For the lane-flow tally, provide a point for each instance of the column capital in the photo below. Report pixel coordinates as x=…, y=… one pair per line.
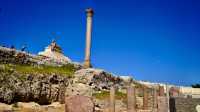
x=89, y=12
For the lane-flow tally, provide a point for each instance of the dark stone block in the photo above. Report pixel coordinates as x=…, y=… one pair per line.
x=183, y=104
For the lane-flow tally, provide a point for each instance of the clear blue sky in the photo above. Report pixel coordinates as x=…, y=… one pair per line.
x=154, y=40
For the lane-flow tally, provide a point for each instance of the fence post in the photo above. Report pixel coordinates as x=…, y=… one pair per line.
x=112, y=100
x=131, y=99
x=161, y=91
x=145, y=98
x=62, y=94
x=167, y=94
x=155, y=100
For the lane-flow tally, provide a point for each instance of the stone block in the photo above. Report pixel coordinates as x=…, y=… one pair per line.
x=79, y=104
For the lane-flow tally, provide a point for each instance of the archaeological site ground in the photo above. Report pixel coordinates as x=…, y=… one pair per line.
x=51, y=81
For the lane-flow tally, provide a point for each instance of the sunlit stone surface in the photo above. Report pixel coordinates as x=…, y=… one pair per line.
x=55, y=52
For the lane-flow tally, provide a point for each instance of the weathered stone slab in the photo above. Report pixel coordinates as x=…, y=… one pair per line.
x=79, y=104
x=5, y=107
x=184, y=104
x=198, y=108
x=162, y=104
x=145, y=111
x=161, y=91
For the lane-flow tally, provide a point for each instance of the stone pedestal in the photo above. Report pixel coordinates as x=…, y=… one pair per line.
x=87, y=64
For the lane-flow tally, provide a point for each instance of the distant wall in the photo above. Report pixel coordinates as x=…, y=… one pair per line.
x=184, y=104
x=190, y=91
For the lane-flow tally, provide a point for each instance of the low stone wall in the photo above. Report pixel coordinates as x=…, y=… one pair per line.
x=184, y=104
x=32, y=107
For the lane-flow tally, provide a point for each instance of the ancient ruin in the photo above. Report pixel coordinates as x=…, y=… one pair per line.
x=51, y=82
x=89, y=14
x=55, y=52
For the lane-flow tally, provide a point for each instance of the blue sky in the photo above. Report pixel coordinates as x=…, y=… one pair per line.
x=153, y=40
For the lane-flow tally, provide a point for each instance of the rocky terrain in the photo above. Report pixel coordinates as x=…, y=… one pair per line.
x=41, y=88
x=40, y=83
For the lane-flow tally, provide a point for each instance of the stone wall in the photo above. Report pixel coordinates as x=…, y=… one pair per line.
x=184, y=104
x=14, y=56
x=32, y=107
x=190, y=91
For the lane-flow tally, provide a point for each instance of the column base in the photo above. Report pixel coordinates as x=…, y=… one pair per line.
x=87, y=64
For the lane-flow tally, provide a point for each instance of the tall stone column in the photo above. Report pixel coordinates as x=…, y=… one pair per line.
x=89, y=13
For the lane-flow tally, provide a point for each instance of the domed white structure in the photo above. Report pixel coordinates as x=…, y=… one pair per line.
x=55, y=52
